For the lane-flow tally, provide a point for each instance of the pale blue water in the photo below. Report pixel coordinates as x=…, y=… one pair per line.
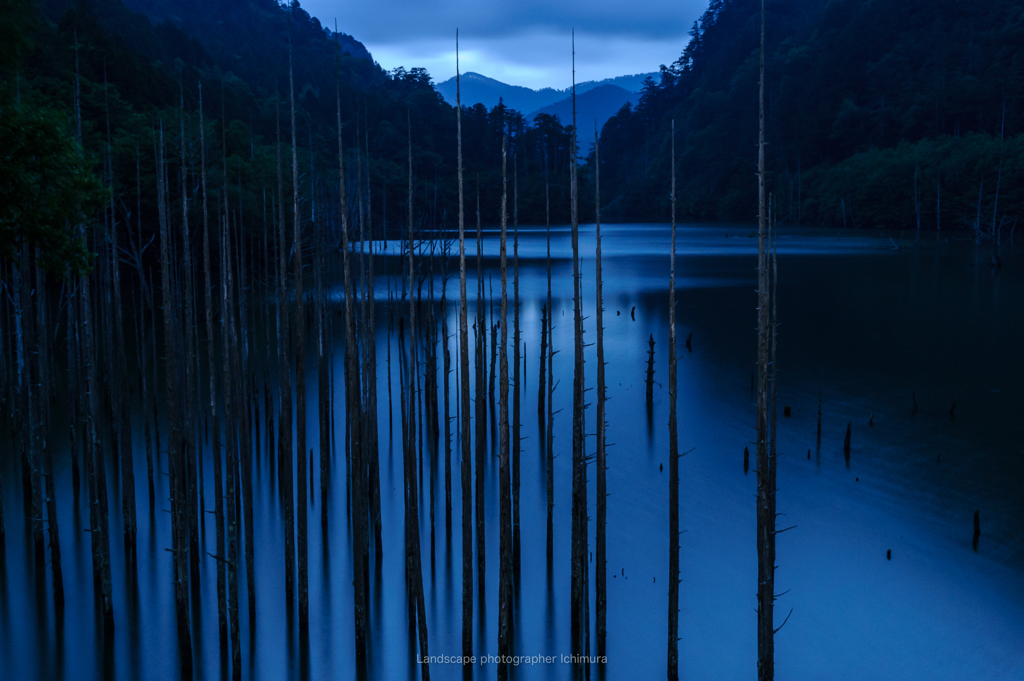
x=863, y=323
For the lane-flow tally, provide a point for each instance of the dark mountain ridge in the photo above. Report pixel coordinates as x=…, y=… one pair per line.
x=477, y=88
x=594, y=107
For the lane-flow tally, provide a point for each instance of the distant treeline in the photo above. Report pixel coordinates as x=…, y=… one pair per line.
x=864, y=100
x=878, y=114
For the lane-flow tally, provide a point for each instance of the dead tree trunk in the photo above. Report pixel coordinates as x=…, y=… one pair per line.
x=43, y=380
x=504, y=478
x=773, y=427
x=549, y=459
x=467, y=451
x=179, y=524
x=354, y=413
x=650, y=371
x=765, y=494
x=29, y=355
x=819, y=415
x=412, y=503
x=95, y=472
x=300, y=367
x=284, y=430
x=323, y=383
x=542, y=373
x=580, y=621
x=100, y=559
x=447, y=418
x=516, y=440
x=22, y=381
x=243, y=377
x=673, y=448
x=371, y=373
x=74, y=377
x=188, y=425
x=601, y=501
x=140, y=330
x=481, y=398
x=494, y=357
x=211, y=352
x=231, y=454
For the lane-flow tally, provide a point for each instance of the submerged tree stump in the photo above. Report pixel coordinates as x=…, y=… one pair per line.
x=650, y=368
x=846, y=443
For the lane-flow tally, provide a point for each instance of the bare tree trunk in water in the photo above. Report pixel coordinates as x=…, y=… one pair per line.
x=481, y=399
x=95, y=472
x=30, y=409
x=673, y=448
x=43, y=364
x=494, y=357
x=413, y=540
x=765, y=477
x=21, y=384
x=542, y=373
x=246, y=425
x=125, y=425
x=516, y=442
x=300, y=368
x=504, y=477
x=774, y=422
x=323, y=384
x=549, y=462
x=211, y=352
x=74, y=377
x=284, y=430
x=650, y=371
x=371, y=377
x=100, y=559
x=601, y=580
x=447, y=416
x=179, y=526
x=230, y=445
x=188, y=425
x=467, y=451
x=580, y=621
x=354, y=409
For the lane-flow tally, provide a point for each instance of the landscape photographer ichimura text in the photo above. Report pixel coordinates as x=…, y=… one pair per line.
x=514, y=660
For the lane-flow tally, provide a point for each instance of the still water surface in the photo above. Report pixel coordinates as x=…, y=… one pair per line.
x=863, y=325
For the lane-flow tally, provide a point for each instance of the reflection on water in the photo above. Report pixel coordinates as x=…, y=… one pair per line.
x=885, y=572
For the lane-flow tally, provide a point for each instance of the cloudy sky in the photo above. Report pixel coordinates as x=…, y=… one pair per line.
x=526, y=42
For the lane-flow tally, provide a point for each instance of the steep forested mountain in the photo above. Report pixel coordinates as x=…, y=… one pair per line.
x=866, y=103
x=594, y=106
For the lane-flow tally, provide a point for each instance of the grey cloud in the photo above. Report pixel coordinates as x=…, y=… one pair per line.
x=524, y=43
x=400, y=20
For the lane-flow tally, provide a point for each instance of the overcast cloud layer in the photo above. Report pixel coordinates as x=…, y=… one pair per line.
x=522, y=43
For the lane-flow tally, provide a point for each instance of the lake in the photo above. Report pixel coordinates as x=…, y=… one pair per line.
x=870, y=323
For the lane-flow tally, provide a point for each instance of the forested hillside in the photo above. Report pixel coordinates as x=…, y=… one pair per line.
x=877, y=113
x=135, y=78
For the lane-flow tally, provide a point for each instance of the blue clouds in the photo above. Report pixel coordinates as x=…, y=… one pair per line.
x=524, y=43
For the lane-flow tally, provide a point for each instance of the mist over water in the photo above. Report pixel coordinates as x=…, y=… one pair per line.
x=864, y=325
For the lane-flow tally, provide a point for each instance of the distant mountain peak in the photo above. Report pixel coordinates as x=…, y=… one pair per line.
x=478, y=88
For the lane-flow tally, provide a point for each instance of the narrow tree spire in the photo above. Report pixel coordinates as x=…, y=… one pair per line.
x=601, y=579
x=673, y=448
x=467, y=449
x=765, y=477
x=504, y=480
